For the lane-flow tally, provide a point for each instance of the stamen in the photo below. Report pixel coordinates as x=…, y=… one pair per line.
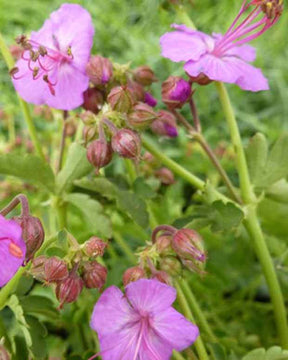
x=13, y=71
x=50, y=85
x=34, y=55
x=42, y=50
x=35, y=72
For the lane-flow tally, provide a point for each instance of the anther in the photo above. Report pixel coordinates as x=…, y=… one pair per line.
x=34, y=55
x=13, y=71
x=69, y=52
x=35, y=71
x=42, y=50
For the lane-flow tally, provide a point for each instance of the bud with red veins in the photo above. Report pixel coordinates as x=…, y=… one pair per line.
x=32, y=233
x=99, y=153
x=121, y=99
x=37, y=267
x=188, y=245
x=127, y=143
x=163, y=244
x=165, y=124
x=137, y=90
x=175, y=92
x=95, y=247
x=150, y=100
x=94, y=275
x=93, y=100
x=165, y=175
x=69, y=289
x=142, y=116
x=133, y=274
x=55, y=269
x=89, y=133
x=144, y=75
x=162, y=276
x=99, y=70
x=171, y=265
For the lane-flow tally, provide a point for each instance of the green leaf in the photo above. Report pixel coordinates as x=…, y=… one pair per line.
x=98, y=185
x=225, y=216
x=38, y=333
x=278, y=191
x=76, y=166
x=92, y=212
x=274, y=353
x=142, y=189
x=217, y=352
x=30, y=168
x=39, y=305
x=256, y=153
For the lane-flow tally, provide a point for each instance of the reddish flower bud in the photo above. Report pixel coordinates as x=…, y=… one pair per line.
x=93, y=100
x=99, y=70
x=99, y=153
x=69, y=289
x=37, y=267
x=55, y=269
x=88, y=118
x=142, y=116
x=127, y=143
x=163, y=244
x=32, y=233
x=95, y=247
x=165, y=175
x=150, y=100
x=165, y=124
x=201, y=79
x=144, y=75
x=89, y=133
x=137, y=90
x=94, y=275
x=121, y=99
x=188, y=245
x=133, y=274
x=4, y=353
x=175, y=92
x=163, y=277
x=171, y=265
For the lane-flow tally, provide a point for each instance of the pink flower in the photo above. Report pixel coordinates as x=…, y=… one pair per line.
x=12, y=249
x=142, y=324
x=223, y=58
x=52, y=69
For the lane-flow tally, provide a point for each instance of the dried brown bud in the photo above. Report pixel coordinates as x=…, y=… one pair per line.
x=94, y=275
x=142, y=116
x=133, y=274
x=144, y=75
x=55, y=269
x=127, y=143
x=99, y=69
x=121, y=99
x=95, y=247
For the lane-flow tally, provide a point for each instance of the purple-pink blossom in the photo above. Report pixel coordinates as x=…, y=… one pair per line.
x=52, y=69
x=12, y=249
x=142, y=324
x=223, y=57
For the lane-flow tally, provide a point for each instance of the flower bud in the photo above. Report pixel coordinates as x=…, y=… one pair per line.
x=32, y=233
x=171, y=265
x=55, y=269
x=37, y=267
x=133, y=274
x=88, y=118
x=188, y=245
x=127, y=143
x=4, y=353
x=200, y=79
x=121, y=99
x=194, y=266
x=150, y=100
x=163, y=277
x=95, y=247
x=70, y=128
x=99, y=70
x=144, y=75
x=163, y=244
x=137, y=90
x=69, y=289
x=93, y=100
x=142, y=116
x=99, y=153
x=175, y=92
x=94, y=275
x=165, y=124
x=165, y=175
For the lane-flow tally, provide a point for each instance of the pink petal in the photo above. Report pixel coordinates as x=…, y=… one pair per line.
x=150, y=295
x=244, y=52
x=179, y=336
x=182, y=46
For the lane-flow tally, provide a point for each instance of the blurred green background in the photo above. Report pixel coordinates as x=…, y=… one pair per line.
x=129, y=30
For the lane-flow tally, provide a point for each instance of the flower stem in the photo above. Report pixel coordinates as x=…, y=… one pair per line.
x=10, y=287
x=24, y=106
x=124, y=247
x=131, y=171
x=62, y=144
x=199, y=345
x=197, y=310
x=251, y=221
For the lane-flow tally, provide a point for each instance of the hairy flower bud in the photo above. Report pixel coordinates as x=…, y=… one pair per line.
x=37, y=267
x=162, y=276
x=165, y=175
x=133, y=274
x=150, y=100
x=136, y=90
x=127, y=143
x=69, y=289
x=95, y=247
x=163, y=244
x=175, y=92
x=144, y=75
x=89, y=133
x=171, y=265
x=99, y=70
x=93, y=100
x=32, y=233
x=142, y=116
x=165, y=124
x=55, y=269
x=99, y=153
x=94, y=275
x=121, y=99
x=188, y=245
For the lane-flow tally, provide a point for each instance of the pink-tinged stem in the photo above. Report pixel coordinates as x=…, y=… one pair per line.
x=19, y=199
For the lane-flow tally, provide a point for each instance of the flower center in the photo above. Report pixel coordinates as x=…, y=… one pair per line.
x=42, y=61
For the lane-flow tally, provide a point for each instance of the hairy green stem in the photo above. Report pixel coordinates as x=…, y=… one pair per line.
x=8, y=289
x=24, y=106
x=201, y=320
x=199, y=345
x=251, y=221
x=131, y=171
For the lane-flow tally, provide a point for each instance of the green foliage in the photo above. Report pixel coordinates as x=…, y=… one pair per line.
x=274, y=353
